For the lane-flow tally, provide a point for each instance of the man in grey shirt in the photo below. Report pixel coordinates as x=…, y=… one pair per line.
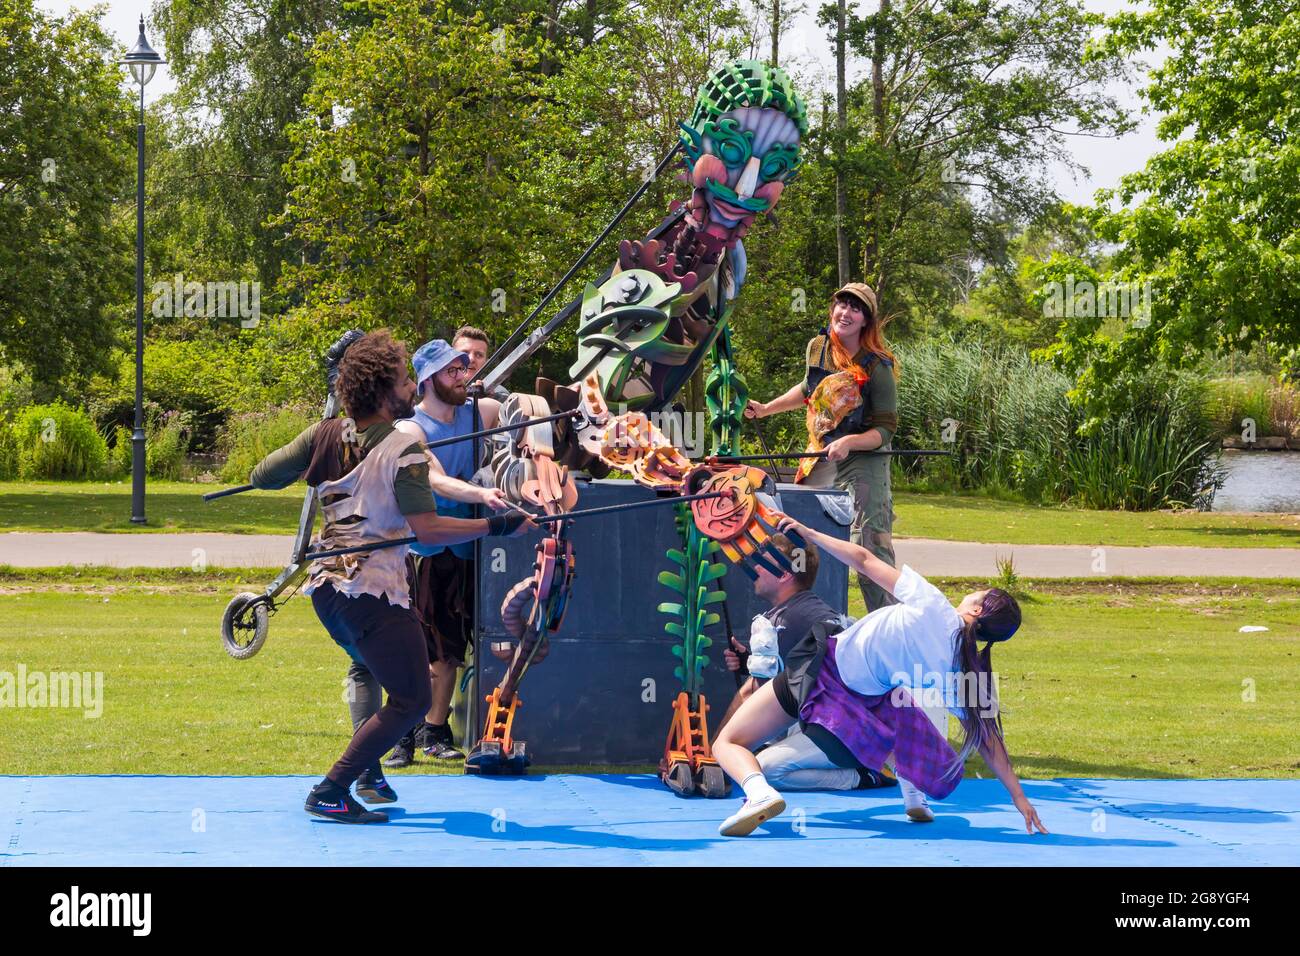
x=796, y=761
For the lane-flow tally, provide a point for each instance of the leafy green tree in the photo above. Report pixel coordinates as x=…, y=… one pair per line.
x=954, y=132
x=66, y=160
x=1212, y=223
x=408, y=176
x=242, y=70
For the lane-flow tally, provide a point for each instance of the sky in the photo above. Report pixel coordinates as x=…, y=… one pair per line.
x=806, y=44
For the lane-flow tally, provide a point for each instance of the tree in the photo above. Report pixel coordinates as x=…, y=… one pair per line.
x=409, y=176
x=1211, y=225
x=967, y=105
x=66, y=159
x=242, y=70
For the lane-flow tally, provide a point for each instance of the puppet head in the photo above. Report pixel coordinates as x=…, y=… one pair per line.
x=742, y=145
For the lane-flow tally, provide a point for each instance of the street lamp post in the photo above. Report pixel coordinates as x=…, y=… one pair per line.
x=143, y=61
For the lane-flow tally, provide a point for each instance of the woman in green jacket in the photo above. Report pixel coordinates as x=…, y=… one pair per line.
x=850, y=388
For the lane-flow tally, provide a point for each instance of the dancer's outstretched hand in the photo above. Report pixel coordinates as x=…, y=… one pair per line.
x=1031, y=816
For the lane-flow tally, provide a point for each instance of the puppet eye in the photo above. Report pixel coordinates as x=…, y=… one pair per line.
x=731, y=144
x=779, y=162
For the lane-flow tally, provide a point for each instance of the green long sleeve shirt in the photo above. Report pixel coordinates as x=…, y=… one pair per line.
x=285, y=465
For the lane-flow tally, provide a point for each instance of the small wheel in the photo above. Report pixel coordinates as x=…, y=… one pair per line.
x=243, y=626
x=518, y=761
x=713, y=782
x=678, y=779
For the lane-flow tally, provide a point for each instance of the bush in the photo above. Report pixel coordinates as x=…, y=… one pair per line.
x=167, y=437
x=8, y=449
x=1284, y=410
x=250, y=437
x=1009, y=417
x=1016, y=431
x=1230, y=400
x=57, y=442
x=197, y=378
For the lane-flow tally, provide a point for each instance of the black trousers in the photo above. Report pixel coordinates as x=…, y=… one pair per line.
x=389, y=641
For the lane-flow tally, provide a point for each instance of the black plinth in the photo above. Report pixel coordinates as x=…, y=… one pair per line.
x=604, y=694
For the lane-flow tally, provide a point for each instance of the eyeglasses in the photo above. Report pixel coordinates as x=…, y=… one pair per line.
x=457, y=370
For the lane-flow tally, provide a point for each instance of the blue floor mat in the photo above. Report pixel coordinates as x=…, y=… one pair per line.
x=633, y=820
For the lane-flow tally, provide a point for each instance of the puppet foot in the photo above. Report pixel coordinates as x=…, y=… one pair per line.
x=688, y=767
x=497, y=752
x=488, y=759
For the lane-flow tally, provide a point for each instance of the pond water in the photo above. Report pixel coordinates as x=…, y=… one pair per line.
x=1260, y=481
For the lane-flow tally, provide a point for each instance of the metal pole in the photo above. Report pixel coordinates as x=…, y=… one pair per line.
x=490, y=376
x=472, y=721
x=895, y=453
x=540, y=519
x=137, y=436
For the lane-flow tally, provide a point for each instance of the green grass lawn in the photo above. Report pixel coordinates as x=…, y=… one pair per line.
x=1124, y=679
x=969, y=518
x=169, y=506
x=178, y=506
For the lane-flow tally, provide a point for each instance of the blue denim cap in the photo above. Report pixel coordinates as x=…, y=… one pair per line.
x=432, y=357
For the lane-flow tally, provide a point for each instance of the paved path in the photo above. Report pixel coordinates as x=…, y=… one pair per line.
x=939, y=558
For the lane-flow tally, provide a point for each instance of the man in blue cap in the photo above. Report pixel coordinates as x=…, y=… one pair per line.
x=443, y=578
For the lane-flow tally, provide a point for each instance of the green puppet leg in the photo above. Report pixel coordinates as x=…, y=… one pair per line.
x=688, y=766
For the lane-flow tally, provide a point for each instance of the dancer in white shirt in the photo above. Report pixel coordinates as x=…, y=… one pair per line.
x=852, y=691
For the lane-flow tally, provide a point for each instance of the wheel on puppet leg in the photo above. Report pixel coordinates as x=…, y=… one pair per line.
x=677, y=777
x=485, y=759
x=711, y=781
x=244, y=625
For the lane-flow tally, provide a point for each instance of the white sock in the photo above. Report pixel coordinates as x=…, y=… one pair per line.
x=756, y=787
x=912, y=796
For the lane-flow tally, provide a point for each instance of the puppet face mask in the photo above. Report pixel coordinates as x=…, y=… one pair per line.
x=742, y=144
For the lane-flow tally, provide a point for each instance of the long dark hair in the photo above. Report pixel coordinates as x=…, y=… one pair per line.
x=981, y=718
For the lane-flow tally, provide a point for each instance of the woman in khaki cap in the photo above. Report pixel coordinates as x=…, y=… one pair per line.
x=851, y=392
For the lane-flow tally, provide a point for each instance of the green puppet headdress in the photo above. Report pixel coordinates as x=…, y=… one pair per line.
x=748, y=83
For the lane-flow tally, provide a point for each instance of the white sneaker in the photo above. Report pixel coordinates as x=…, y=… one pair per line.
x=914, y=802
x=753, y=812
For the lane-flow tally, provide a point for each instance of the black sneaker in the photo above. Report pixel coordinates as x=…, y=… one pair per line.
x=426, y=736
x=440, y=745
x=373, y=788
x=403, y=754
x=874, y=780
x=341, y=808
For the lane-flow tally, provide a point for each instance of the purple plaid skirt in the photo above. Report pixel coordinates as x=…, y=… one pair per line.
x=872, y=727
